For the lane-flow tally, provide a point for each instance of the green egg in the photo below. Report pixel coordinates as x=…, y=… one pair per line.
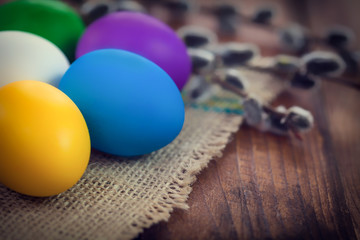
x=50, y=19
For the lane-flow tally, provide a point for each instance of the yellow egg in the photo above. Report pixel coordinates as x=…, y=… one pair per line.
x=44, y=140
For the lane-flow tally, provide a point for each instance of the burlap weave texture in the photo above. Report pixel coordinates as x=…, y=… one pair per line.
x=118, y=197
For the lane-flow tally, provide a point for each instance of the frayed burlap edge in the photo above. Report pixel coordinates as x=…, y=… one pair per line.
x=181, y=185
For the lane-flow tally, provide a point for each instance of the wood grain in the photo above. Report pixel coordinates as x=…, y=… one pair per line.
x=272, y=187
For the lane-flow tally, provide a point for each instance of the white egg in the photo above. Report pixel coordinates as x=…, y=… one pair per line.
x=25, y=56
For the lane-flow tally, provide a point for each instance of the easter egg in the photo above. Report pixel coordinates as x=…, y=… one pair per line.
x=45, y=143
x=25, y=56
x=52, y=20
x=141, y=34
x=132, y=107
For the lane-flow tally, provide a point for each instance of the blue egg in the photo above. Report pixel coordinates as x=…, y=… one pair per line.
x=132, y=106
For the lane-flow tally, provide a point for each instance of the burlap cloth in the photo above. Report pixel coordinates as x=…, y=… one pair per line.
x=118, y=197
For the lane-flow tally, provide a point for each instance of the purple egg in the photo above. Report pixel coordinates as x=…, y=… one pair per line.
x=141, y=34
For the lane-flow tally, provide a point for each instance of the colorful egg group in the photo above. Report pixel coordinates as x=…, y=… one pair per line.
x=52, y=20
x=141, y=34
x=44, y=143
x=26, y=56
x=123, y=91
x=132, y=107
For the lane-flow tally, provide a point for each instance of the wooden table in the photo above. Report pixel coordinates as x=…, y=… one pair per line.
x=271, y=187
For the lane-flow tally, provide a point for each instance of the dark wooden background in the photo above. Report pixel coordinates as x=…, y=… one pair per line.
x=271, y=187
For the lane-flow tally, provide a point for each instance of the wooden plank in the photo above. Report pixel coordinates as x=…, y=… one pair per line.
x=341, y=112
